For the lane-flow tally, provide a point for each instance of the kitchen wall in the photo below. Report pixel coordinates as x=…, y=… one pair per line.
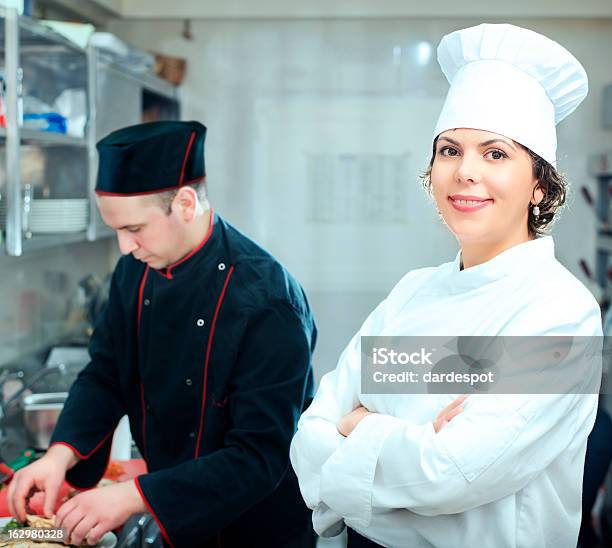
x=318, y=130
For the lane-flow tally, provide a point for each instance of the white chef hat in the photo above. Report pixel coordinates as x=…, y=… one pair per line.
x=511, y=81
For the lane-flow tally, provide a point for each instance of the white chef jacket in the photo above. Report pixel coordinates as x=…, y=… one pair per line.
x=507, y=471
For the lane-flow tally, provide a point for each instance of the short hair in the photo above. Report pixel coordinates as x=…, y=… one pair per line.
x=552, y=183
x=165, y=199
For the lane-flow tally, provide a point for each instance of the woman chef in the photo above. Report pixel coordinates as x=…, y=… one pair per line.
x=507, y=469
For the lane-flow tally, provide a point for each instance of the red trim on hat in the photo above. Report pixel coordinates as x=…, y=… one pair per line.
x=167, y=272
x=207, y=358
x=165, y=189
x=185, y=158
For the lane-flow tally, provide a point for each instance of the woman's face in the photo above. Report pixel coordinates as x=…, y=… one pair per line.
x=483, y=185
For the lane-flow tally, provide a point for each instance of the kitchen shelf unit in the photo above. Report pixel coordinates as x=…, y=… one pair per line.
x=37, y=65
x=38, y=62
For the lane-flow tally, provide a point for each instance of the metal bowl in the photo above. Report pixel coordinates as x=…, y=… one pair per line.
x=40, y=414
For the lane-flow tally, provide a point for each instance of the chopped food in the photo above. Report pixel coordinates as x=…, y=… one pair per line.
x=40, y=522
x=13, y=524
x=36, y=522
x=114, y=470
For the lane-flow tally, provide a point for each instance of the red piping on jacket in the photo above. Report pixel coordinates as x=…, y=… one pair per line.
x=185, y=158
x=159, y=523
x=168, y=270
x=88, y=455
x=85, y=457
x=142, y=397
x=144, y=420
x=78, y=487
x=140, y=292
x=206, y=360
x=156, y=191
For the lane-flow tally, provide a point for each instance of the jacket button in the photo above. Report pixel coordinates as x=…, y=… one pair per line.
x=188, y=382
x=221, y=266
x=148, y=407
x=146, y=302
x=200, y=322
x=192, y=434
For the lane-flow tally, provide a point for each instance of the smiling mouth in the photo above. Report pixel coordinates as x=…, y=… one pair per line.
x=468, y=205
x=469, y=202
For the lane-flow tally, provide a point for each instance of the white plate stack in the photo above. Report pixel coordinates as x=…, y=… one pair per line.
x=58, y=216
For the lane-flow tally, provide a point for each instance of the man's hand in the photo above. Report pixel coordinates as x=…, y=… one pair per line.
x=348, y=423
x=46, y=474
x=449, y=413
x=90, y=515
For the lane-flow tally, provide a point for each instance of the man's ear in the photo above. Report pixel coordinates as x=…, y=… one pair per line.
x=186, y=203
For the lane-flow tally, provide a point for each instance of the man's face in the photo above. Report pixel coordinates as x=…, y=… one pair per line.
x=143, y=228
x=482, y=183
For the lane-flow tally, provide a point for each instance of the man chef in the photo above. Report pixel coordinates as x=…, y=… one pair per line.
x=205, y=344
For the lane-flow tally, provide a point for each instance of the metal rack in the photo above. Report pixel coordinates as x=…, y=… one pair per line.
x=37, y=53
x=46, y=138
x=115, y=95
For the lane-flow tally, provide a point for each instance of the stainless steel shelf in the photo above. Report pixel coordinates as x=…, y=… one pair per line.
x=47, y=138
x=33, y=32
x=152, y=83
x=148, y=81
x=41, y=242
x=40, y=62
x=45, y=241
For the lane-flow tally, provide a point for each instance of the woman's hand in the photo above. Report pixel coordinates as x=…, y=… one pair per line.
x=348, y=423
x=449, y=413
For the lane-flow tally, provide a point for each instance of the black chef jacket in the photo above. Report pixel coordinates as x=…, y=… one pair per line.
x=211, y=360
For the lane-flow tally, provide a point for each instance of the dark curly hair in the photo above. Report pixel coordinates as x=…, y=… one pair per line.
x=552, y=183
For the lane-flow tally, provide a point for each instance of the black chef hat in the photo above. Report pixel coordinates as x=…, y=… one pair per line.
x=151, y=157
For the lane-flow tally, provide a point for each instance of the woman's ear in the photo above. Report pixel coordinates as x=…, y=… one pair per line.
x=538, y=194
